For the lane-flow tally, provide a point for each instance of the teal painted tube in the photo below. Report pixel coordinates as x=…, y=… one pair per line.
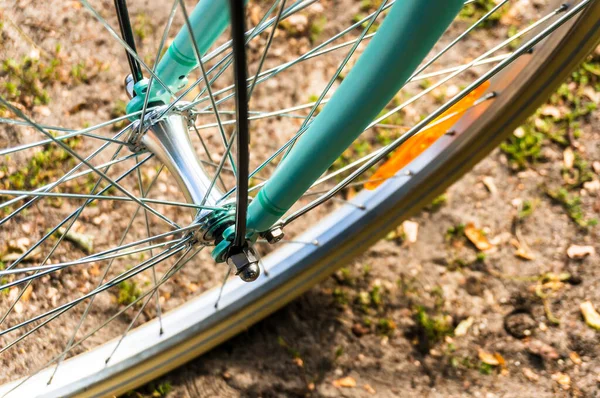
x=404, y=39
x=208, y=20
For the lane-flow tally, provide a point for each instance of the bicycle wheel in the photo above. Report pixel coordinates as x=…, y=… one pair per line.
x=560, y=39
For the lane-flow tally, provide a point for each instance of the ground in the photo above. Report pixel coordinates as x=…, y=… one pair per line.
x=483, y=300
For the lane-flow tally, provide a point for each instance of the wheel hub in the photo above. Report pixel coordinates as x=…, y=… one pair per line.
x=167, y=137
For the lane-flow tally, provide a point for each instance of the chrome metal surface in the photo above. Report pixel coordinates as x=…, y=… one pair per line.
x=129, y=82
x=169, y=140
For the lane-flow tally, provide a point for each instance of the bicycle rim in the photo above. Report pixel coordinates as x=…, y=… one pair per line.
x=195, y=327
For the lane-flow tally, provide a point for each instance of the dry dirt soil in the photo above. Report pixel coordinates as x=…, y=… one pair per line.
x=483, y=300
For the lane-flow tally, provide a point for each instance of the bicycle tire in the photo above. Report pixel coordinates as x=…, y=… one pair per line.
x=345, y=233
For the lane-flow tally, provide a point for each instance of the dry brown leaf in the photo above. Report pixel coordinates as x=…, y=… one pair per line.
x=369, y=389
x=575, y=358
x=347, y=382
x=490, y=185
x=411, y=231
x=551, y=110
x=477, y=237
x=546, y=351
x=501, y=238
x=592, y=186
x=553, y=285
x=563, y=379
x=83, y=241
x=577, y=252
x=94, y=269
x=540, y=124
x=591, y=316
x=463, y=327
x=27, y=293
x=488, y=358
x=519, y=132
x=350, y=193
x=500, y=360
x=530, y=374
x=568, y=158
x=592, y=94
x=521, y=252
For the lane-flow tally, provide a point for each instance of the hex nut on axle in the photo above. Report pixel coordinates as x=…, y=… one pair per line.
x=245, y=265
x=274, y=235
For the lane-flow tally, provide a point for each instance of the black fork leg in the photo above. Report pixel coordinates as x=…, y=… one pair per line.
x=238, y=29
x=127, y=33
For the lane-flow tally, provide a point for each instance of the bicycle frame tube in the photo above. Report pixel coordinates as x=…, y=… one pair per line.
x=208, y=20
x=406, y=36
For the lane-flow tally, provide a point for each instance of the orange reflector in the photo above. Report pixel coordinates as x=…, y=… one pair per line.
x=416, y=144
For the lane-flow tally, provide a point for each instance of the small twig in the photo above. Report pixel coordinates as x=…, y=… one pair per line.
x=26, y=37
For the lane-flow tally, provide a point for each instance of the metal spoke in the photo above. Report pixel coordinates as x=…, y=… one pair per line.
x=266, y=50
x=71, y=133
x=419, y=126
x=60, y=224
x=207, y=151
x=92, y=299
x=54, y=184
x=148, y=234
x=104, y=274
x=156, y=59
x=227, y=274
x=459, y=38
x=127, y=48
x=227, y=60
x=72, y=177
x=84, y=260
x=469, y=65
x=287, y=111
x=337, y=72
x=142, y=200
x=208, y=86
x=57, y=243
x=87, y=163
x=169, y=252
x=309, y=54
x=421, y=94
x=139, y=312
x=163, y=280
x=219, y=168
